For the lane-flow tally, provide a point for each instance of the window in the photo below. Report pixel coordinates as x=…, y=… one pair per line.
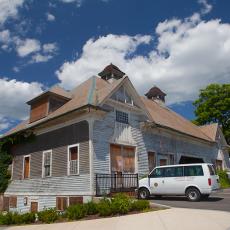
x=151, y=160
x=47, y=161
x=26, y=167
x=122, y=117
x=13, y=202
x=174, y=172
x=158, y=172
x=195, y=170
x=122, y=159
x=73, y=159
x=61, y=203
x=219, y=164
x=75, y=200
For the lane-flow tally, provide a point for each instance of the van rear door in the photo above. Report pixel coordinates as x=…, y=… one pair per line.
x=214, y=178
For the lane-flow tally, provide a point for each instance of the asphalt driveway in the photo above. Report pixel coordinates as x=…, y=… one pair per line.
x=217, y=201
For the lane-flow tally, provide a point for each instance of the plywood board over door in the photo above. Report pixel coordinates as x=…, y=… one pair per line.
x=122, y=159
x=34, y=206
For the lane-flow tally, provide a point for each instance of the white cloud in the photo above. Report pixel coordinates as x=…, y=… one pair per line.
x=188, y=55
x=13, y=96
x=78, y=2
x=9, y=9
x=47, y=53
x=5, y=36
x=50, y=47
x=206, y=6
x=40, y=58
x=50, y=17
x=4, y=123
x=27, y=46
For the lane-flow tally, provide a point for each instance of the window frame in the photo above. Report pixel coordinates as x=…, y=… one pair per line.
x=43, y=161
x=68, y=159
x=121, y=111
x=23, y=165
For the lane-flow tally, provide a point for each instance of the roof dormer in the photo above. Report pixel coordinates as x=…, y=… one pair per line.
x=47, y=102
x=111, y=72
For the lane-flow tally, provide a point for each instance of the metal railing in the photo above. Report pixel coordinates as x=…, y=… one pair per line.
x=107, y=184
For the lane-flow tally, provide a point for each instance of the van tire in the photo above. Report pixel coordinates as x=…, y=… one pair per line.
x=193, y=194
x=143, y=193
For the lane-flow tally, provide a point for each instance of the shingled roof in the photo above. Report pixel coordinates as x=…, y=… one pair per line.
x=91, y=92
x=165, y=117
x=210, y=130
x=95, y=90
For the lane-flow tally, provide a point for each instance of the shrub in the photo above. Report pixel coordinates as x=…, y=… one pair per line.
x=76, y=212
x=140, y=205
x=121, y=204
x=91, y=208
x=28, y=218
x=104, y=207
x=15, y=218
x=48, y=215
x=224, y=180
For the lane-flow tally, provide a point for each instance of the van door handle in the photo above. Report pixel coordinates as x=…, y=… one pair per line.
x=163, y=181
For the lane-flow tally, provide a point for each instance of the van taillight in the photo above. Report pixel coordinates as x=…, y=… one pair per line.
x=209, y=181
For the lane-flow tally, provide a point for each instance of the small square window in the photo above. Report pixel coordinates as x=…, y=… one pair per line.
x=122, y=117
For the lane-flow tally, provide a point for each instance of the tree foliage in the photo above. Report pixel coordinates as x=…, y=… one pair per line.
x=213, y=106
x=6, y=158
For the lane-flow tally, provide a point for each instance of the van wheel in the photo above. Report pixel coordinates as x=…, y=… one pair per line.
x=143, y=193
x=193, y=194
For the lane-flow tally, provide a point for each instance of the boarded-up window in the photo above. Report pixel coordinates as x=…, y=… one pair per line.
x=122, y=159
x=73, y=159
x=219, y=164
x=128, y=160
x=47, y=163
x=75, y=200
x=6, y=203
x=61, y=203
x=34, y=207
x=163, y=162
x=26, y=167
x=151, y=160
x=13, y=202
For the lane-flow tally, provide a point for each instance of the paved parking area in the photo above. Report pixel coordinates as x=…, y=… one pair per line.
x=218, y=201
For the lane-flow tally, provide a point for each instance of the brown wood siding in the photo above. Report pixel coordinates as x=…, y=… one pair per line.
x=39, y=110
x=57, y=141
x=75, y=200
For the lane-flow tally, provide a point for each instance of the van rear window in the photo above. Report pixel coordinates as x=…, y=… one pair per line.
x=195, y=170
x=211, y=170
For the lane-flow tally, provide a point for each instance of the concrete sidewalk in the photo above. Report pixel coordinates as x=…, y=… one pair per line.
x=170, y=219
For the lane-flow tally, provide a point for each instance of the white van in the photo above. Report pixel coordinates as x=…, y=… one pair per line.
x=195, y=181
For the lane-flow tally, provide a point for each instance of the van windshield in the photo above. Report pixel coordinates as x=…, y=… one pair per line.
x=211, y=170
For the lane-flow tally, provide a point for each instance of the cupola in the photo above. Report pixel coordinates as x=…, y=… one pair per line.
x=111, y=72
x=156, y=94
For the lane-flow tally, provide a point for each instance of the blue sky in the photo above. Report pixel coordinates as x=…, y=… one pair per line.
x=180, y=46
